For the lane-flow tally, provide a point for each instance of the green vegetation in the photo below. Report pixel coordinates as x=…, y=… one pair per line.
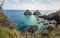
x=14, y=24
x=7, y=29
x=38, y=36
x=6, y=33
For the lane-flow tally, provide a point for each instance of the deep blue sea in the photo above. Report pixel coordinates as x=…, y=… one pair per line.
x=25, y=20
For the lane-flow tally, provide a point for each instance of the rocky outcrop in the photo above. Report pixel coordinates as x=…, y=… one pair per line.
x=27, y=12
x=32, y=29
x=4, y=20
x=37, y=12
x=7, y=30
x=55, y=16
x=43, y=16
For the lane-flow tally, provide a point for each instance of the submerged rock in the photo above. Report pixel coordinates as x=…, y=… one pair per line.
x=38, y=22
x=37, y=12
x=27, y=12
x=37, y=19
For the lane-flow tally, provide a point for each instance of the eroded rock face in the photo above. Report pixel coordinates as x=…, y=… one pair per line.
x=37, y=12
x=27, y=12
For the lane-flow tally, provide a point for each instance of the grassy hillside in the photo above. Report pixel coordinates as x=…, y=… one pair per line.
x=6, y=33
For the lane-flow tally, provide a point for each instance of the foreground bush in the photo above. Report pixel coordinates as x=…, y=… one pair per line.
x=6, y=33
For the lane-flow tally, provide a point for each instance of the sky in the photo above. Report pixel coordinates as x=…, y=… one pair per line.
x=31, y=4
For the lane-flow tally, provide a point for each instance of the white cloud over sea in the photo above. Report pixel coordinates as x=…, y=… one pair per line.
x=32, y=4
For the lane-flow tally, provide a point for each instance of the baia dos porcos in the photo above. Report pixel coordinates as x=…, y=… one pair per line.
x=41, y=25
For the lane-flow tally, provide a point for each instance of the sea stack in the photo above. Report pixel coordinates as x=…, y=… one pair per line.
x=37, y=12
x=27, y=12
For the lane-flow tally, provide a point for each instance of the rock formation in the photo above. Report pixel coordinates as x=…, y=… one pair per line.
x=55, y=16
x=4, y=20
x=27, y=12
x=32, y=29
x=37, y=12
x=43, y=16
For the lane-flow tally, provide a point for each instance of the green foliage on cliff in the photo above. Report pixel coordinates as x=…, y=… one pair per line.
x=6, y=33
x=7, y=29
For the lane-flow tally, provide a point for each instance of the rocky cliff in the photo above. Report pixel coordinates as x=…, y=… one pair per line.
x=7, y=30
x=4, y=20
x=55, y=16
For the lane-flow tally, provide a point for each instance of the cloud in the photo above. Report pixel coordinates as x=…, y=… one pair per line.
x=33, y=0
x=1, y=1
x=15, y=1
x=32, y=4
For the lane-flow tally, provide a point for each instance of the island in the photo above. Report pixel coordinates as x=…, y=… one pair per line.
x=37, y=12
x=27, y=12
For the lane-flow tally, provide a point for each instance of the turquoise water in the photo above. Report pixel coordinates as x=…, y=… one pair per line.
x=25, y=21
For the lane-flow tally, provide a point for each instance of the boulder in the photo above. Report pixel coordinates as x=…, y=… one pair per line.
x=27, y=12
x=37, y=12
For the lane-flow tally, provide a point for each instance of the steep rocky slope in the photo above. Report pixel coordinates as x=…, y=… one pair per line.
x=7, y=29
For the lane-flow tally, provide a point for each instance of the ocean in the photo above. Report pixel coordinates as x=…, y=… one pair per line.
x=25, y=21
